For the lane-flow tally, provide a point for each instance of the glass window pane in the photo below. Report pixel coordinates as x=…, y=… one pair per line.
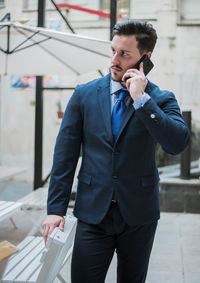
x=106, y=6
x=122, y=7
x=190, y=9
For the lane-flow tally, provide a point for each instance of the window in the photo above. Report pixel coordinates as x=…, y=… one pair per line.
x=2, y=3
x=189, y=11
x=134, y=9
x=122, y=7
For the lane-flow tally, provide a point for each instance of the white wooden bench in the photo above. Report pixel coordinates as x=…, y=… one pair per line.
x=36, y=200
x=8, y=208
x=34, y=263
x=35, y=205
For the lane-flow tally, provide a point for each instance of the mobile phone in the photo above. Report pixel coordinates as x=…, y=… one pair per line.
x=147, y=64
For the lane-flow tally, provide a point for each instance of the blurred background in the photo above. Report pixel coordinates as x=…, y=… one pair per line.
x=32, y=106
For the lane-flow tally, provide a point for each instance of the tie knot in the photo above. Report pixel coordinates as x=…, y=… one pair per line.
x=122, y=94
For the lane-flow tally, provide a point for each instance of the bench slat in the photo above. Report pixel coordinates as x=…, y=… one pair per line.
x=4, y=204
x=8, y=205
x=26, y=247
x=34, y=276
x=11, y=263
x=9, y=210
x=31, y=268
x=26, y=260
x=36, y=199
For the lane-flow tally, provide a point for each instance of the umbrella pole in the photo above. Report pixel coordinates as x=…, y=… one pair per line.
x=38, y=134
x=38, y=158
x=7, y=51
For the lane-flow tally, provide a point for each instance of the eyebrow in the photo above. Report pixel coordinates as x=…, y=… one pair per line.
x=121, y=49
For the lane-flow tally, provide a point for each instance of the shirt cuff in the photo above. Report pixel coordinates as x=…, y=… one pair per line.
x=141, y=101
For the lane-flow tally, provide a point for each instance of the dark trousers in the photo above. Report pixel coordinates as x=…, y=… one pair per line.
x=95, y=245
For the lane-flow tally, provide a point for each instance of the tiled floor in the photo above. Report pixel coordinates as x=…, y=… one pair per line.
x=176, y=252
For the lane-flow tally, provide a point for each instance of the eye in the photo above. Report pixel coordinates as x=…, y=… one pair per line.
x=123, y=53
x=113, y=50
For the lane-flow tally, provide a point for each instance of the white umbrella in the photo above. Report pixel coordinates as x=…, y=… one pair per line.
x=39, y=51
x=32, y=50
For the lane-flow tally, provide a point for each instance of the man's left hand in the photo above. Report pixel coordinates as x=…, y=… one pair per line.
x=136, y=82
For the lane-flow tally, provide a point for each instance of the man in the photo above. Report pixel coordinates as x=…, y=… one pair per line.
x=117, y=201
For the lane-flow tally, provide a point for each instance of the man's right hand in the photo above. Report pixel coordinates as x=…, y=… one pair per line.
x=51, y=222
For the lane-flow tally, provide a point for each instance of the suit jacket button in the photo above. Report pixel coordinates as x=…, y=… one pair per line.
x=153, y=116
x=114, y=175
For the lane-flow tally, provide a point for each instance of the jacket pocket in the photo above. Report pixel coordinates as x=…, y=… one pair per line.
x=148, y=181
x=85, y=178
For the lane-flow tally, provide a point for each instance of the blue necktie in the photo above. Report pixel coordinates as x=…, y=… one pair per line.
x=118, y=112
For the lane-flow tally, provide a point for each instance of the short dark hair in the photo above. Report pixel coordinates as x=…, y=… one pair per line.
x=145, y=33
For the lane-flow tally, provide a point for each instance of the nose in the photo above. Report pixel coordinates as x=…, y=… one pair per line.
x=115, y=59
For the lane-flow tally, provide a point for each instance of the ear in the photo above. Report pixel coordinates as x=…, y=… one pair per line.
x=149, y=54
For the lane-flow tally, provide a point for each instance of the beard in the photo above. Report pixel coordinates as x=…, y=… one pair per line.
x=116, y=76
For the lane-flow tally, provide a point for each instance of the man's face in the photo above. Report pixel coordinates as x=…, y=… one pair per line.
x=125, y=55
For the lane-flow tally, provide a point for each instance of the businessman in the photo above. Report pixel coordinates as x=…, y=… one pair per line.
x=118, y=119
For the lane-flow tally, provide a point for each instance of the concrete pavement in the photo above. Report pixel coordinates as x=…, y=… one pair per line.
x=175, y=256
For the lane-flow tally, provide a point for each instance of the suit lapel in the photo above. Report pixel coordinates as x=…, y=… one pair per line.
x=105, y=105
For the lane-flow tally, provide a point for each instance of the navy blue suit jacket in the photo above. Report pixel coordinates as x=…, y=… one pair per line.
x=126, y=166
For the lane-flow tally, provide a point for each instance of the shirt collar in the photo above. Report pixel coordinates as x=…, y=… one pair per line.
x=115, y=86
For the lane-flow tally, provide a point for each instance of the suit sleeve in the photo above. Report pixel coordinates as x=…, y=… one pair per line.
x=66, y=154
x=165, y=123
